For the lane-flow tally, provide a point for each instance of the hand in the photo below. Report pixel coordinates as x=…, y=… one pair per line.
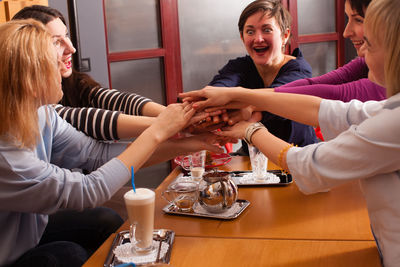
x=199, y=117
x=204, y=127
x=208, y=97
x=172, y=119
x=243, y=114
x=239, y=129
x=236, y=131
x=209, y=123
x=207, y=141
x=230, y=105
x=223, y=140
x=232, y=116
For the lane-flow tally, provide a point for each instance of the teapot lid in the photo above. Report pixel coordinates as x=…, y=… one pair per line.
x=216, y=176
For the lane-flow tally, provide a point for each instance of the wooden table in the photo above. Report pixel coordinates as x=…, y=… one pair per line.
x=281, y=227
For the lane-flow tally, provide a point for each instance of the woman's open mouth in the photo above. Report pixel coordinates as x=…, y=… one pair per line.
x=260, y=49
x=357, y=43
x=68, y=63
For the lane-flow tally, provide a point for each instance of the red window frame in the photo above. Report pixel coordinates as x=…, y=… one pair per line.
x=337, y=36
x=170, y=50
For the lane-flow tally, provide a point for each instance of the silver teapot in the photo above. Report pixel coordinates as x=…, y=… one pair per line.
x=217, y=192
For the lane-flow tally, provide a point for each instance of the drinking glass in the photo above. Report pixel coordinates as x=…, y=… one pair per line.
x=259, y=164
x=140, y=208
x=197, y=162
x=183, y=194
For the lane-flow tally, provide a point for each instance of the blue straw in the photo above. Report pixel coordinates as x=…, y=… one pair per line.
x=126, y=265
x=133, y=179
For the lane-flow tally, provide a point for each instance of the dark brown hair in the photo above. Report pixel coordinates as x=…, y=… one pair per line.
x=359, y=6
x=43, y=14
x=78, y=83
x=273, y=8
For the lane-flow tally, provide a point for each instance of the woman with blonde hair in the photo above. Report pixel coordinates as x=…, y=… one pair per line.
x=38, y=149
x=363, y=139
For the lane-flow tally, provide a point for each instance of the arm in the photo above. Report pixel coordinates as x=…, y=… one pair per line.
x=128, y=103
x=80, y=90
x=362, y=151
x=354, y=70
x=30, y=172
x=41, y=171
x=336, y=117
x=174, y=118
x=104, y=124
x=27, y=177
x=270, y=145
x=132, y=126
x=168, y=123
x=359, y=146
x=98, y=123
x=152, y=109
x=362, y=90
x=300, y=108
x=175, y=147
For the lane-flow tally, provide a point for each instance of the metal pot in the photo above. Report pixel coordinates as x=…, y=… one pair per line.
x=217, y=192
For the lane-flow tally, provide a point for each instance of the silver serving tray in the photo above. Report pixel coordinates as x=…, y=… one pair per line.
x=285, y=179
x=123, y=237
x=242, y=205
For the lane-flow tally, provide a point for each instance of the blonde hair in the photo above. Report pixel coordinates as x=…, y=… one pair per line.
x=383, y=20
x=28, y=71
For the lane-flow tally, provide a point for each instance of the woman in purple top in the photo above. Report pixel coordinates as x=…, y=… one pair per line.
x=350, y=81
x=346, y=83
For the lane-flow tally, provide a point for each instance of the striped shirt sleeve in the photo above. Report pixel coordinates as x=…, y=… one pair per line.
x=98, y=123
x=111, y=99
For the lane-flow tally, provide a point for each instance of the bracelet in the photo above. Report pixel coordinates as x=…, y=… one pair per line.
x=280, y=156
x=251, y=129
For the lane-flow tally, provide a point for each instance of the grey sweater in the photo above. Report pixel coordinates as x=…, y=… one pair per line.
x=35, y=183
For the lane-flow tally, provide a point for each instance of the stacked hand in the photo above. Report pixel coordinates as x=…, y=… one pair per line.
x=177, y=117
x=207, y=97
x=173, y=119
x=230, y=116
x=205, y=111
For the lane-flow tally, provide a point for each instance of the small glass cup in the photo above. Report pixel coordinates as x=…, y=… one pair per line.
x=197, y=162
x=259, y=164
x=183, y=194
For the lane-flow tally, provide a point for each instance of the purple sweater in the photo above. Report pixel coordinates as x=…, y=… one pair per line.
x=346, y=83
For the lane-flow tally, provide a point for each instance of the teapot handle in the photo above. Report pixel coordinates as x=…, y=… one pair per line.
x=167, y=196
